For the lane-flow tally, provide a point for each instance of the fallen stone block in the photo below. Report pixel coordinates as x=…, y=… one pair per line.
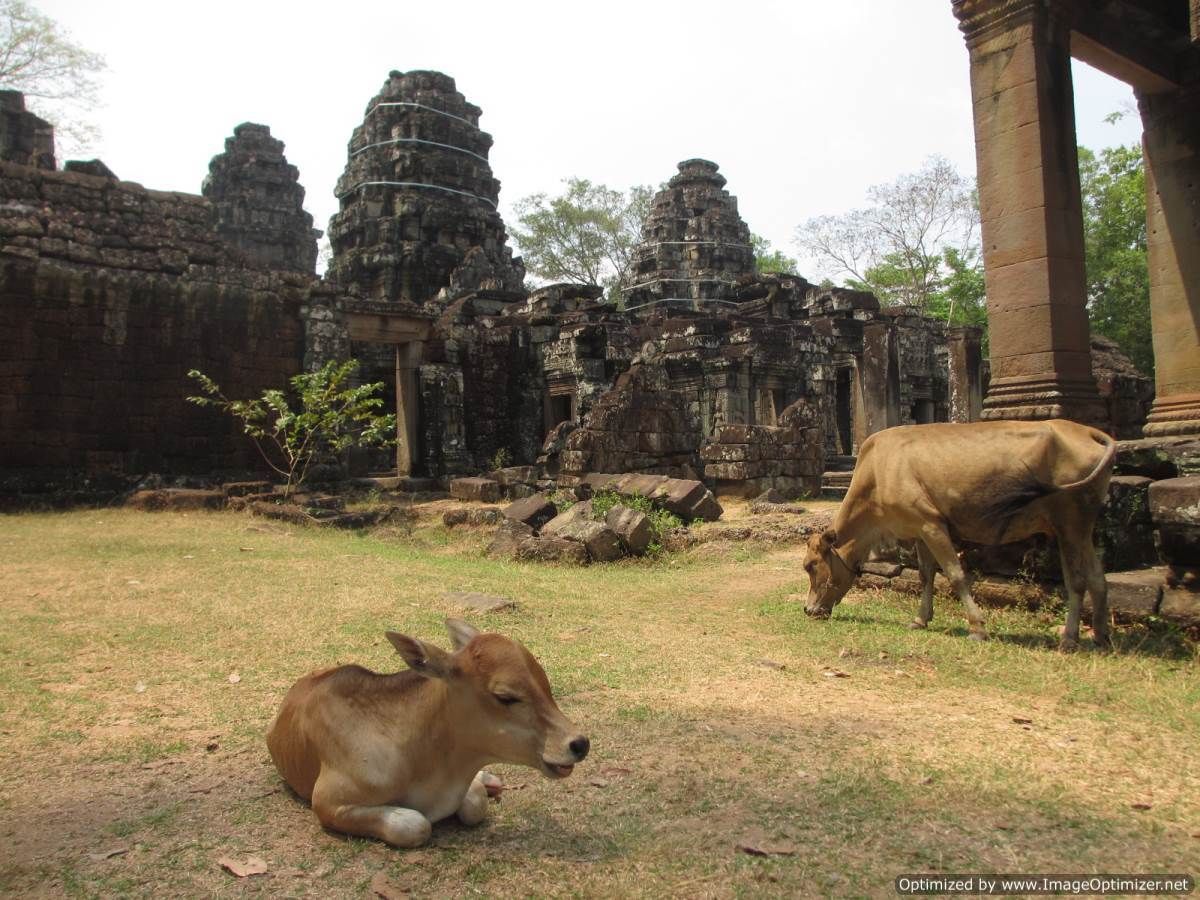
x=601, y=542
x=488, y=516
x=480, y=490
x=534, y=511
x=176, y=499
x=632, y=527
x=471, y=601
x=284, y=512
x=580, y=512
x=1133, y=595
x=1175, y=509
x=552, y=549
x=452, y=518
x=688, y=499
x=508, y=538
x=1180, y=605
x=242, y=488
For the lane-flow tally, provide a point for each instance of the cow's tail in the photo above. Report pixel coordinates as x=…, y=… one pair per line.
x=1015, y=496
x=1110, y=452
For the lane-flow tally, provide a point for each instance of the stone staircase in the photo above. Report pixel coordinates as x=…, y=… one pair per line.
x=836, y=478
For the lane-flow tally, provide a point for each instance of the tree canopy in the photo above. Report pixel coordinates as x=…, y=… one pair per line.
x=1113, y=187
x=584, y=235
x=769, y=261
x=57, y=75
x=906, y=244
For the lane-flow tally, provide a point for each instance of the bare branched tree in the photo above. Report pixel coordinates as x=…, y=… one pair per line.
x=57, y=76
x=897, y=245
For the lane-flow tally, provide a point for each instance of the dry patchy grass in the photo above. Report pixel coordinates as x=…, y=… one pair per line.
x=708, y=696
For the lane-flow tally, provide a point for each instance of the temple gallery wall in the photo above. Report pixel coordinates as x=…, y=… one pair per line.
x=111, y=292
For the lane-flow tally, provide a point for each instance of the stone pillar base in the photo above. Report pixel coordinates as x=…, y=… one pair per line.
x=1033, y=399
x=1179, y=414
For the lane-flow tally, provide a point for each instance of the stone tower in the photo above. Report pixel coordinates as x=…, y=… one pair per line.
x=259, y=202
x=418, y=200
x=25, y=139
x=694, y=243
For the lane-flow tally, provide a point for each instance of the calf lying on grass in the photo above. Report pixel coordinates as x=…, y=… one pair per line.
x=985, y=482
x=385, y=755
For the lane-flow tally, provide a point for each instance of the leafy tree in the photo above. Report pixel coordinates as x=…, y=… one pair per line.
x=584, y=235
x=331, y=417
x=1113, y=185
x=896, y=247
x=767, y=260
x=58, y=76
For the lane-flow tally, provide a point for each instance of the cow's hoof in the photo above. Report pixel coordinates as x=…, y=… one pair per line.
x=917, y=624
x=977, y=636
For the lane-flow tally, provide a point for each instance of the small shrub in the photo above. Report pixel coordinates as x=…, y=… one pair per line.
x=501, y=459
x=563, y=500
x=661, y=521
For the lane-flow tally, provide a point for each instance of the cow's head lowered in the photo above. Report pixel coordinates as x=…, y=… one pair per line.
x=829, y=575
x=501, y=697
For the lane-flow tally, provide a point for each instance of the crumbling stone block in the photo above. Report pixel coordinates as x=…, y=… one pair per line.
x=631, y=526
x=534, y=511
x=1125, y=531
x=553, y=549
x=580, y=512
x=1181, y=604
x=688, y=499
x=244, y=488
x=508, y=538
x=481, y=490
x=176, y=499
x=1175, y=509
x=1133, y=595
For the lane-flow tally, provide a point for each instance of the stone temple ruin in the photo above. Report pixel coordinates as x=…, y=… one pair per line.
x=707, y=369
x=112, y=292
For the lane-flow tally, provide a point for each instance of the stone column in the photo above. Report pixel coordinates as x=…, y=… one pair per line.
x=1171, y=145
x=408, y=358
x=964, y=361
x=1031, y=212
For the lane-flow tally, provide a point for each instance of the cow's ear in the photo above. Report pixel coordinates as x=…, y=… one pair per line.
x=829, y=538
x=424, y=659
x=460, y=632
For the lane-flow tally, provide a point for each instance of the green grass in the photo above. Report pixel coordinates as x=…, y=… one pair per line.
x=112, y=693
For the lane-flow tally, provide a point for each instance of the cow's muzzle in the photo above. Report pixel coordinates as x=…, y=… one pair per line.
x=817, y=612
x=578, y=748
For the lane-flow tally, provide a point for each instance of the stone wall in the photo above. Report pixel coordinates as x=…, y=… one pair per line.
x=94, y=363
x=25, y=139
x=109, y=294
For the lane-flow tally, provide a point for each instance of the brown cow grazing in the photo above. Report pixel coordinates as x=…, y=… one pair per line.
x=384, y=756
x=985, y=482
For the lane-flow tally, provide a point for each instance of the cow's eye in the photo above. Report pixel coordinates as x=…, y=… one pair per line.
x=507, y=699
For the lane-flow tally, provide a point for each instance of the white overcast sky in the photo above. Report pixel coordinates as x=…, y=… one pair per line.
x=803, y=104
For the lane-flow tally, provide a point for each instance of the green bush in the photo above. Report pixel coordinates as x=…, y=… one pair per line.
x=661, y=521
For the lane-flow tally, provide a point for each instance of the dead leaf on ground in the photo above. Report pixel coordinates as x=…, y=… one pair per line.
x=204, y=787
x=1140, y=806
x=835, y=673
x=615, y=770
x=212, y=746
x=234, y=677
x=388, y=890
x=246, y=549
x=1020, y=720
x=597, y=781
x=756, y=844
x=243, y=868
x=108, y=854
x=928, y=779
x=844, y=652
x=771, y=664
x=140, y=687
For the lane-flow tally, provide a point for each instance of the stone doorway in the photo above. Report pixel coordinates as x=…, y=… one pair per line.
x=368, y=323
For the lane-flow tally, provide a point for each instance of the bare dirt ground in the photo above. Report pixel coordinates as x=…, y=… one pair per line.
x=739, y=749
